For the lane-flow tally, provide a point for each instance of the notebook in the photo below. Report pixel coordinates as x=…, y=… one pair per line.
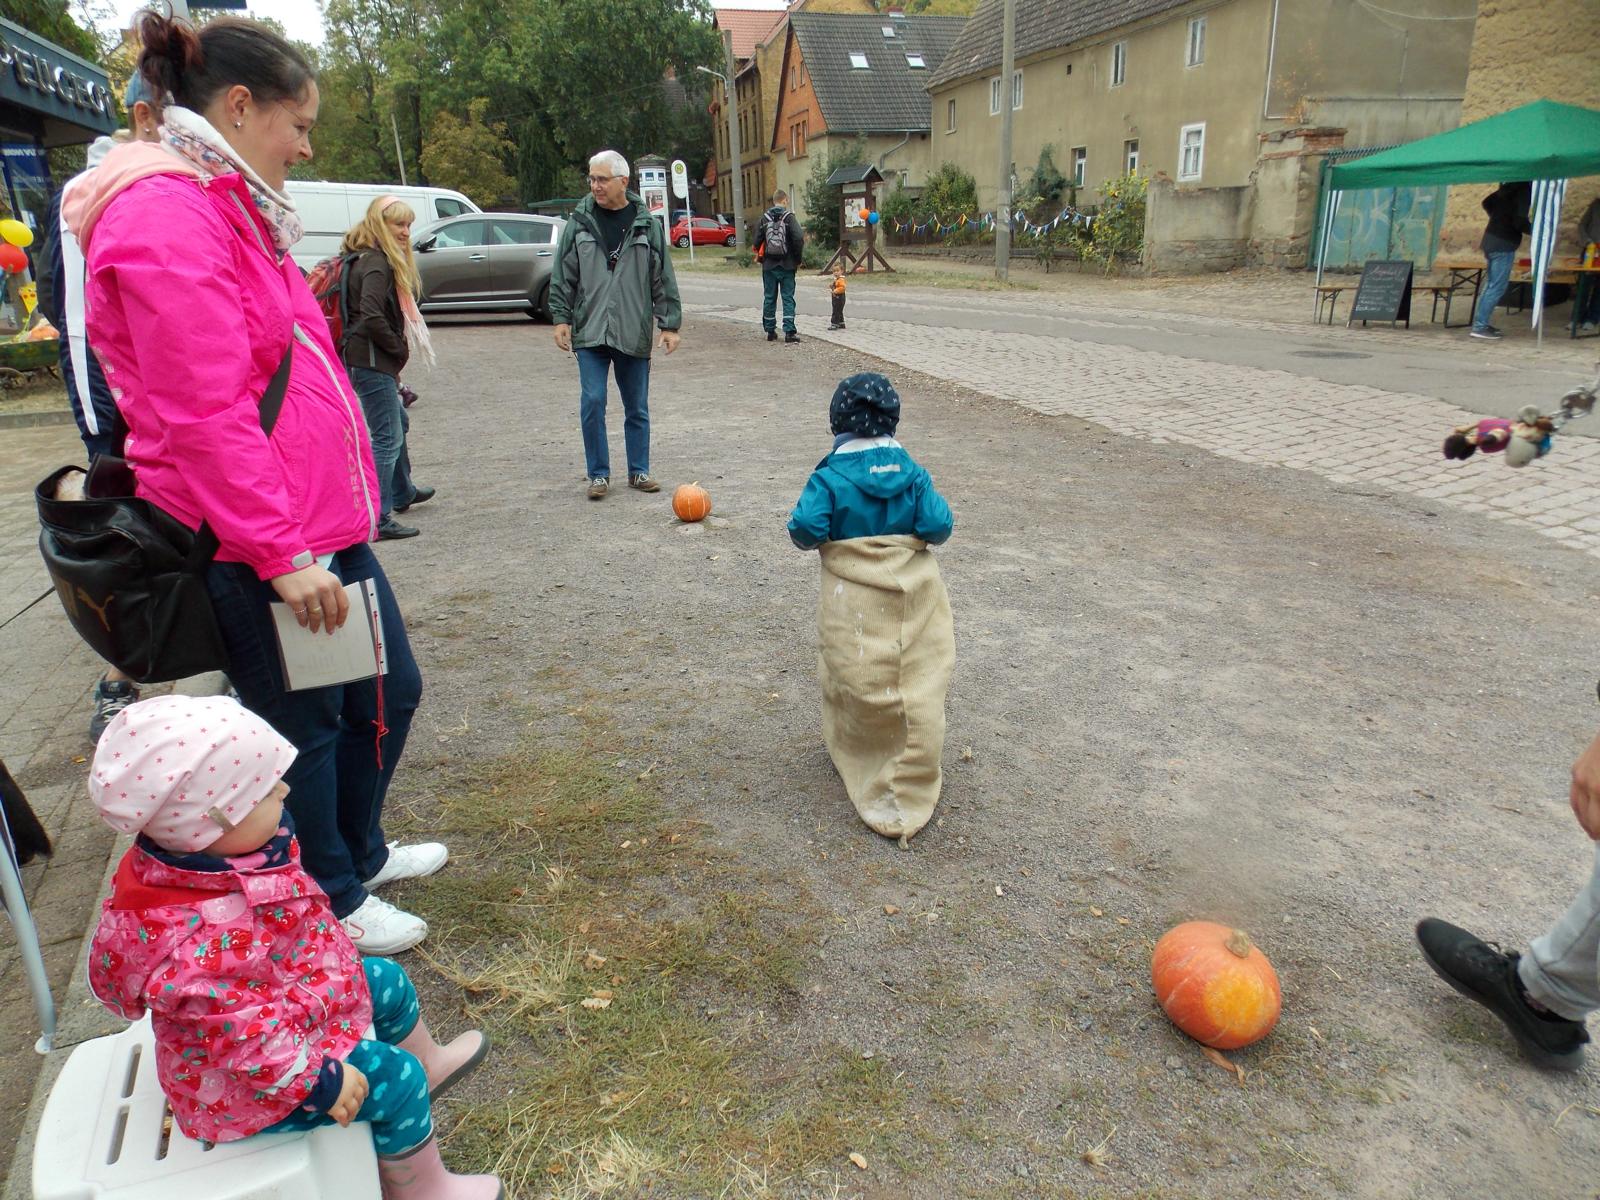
x=353, y=651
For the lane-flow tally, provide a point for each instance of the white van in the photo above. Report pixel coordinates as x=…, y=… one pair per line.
x=330, y=209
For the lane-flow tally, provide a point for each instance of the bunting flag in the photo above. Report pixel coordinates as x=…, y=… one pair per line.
x=985, y=222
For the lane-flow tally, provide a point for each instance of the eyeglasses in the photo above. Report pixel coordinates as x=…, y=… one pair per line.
x=593, y=179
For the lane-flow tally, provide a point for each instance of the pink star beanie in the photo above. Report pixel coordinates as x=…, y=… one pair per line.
x=185, y=769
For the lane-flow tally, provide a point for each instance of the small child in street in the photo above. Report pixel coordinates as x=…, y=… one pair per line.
x=838, y=296
x=886, y=640
x=259, y=999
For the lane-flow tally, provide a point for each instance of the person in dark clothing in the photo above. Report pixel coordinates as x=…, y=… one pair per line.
x=384, y=325
x=1507, y=207
x=1589, y=235
x=61, y=276
x=781, y=242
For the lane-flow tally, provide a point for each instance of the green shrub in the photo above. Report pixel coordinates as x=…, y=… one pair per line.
x=949, y=192
x=1118, y=232
x=745, y=258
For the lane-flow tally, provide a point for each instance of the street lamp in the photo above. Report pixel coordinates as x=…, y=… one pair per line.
x=733, y=141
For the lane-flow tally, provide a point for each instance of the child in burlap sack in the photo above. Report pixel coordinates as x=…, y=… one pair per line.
x=886, y=638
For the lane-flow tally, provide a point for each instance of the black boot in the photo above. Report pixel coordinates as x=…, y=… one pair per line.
x=791, y=336
x=1488, y=975
x=391, y=530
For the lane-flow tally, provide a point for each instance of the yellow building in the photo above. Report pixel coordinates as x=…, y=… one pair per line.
x=1188, y=87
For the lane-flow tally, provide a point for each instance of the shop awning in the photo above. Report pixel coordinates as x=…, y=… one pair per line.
x=51, y=93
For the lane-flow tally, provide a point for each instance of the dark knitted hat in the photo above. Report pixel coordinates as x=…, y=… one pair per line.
x=866, y=405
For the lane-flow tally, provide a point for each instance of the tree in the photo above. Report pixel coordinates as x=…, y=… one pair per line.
x=822, y=201
x=50, y=20
x=470, y=155
x=949, y=192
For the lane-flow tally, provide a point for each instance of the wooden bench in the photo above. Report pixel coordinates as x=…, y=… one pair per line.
x=1328, y=298
x=1437, y=292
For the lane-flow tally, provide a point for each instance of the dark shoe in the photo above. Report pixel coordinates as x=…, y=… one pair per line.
x=772, y=335
x=1489, y=334
x=791, y=336
x=110, y=699
x=392, y=531
x=1483, y=972
x=641, y=482
x=418, y=496
x=598, y=487
x=835, y=326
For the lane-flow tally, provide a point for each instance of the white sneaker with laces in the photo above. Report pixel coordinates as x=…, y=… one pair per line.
x=378, y=927
x=409, y=862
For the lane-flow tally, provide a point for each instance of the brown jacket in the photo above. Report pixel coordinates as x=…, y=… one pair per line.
x=375, y=330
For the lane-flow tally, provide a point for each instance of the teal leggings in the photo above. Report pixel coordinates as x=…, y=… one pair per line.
x=397, y=1096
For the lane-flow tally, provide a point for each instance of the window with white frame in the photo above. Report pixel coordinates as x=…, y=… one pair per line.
x=1016, y=91
x=994, y=95
x=1197, y=43
x=949, y=116
x=1130, y=155
x=1080, y=165
x=858, y=62
x=1191, y=151
x=1119, y=63
x=916, y=62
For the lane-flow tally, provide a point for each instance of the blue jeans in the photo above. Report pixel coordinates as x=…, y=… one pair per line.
x=397, y=1103
x=774, y=280
x=633, y=382
x=402, y=490
x=1496, y=279
x=336, y=785
x=380, y=401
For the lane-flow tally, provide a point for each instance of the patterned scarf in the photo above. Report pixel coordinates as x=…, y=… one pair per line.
x=191, y=136
x=417, y=337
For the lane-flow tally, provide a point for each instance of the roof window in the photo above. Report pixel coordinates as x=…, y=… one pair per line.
x=916, y=62
x=888, y=31
x=858, y=62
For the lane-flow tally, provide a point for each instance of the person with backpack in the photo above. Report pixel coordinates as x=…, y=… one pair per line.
x=382, y=326
x=61, y=277
x=195, y=305
x=780, y=241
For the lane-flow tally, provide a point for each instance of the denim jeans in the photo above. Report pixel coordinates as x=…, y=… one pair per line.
x=380, y=401
x=633, y=382
x=336, y=785
x=774, y=280
x=1561, y=970
x=1496, y=278
x=402, y=491
x=397, y=1105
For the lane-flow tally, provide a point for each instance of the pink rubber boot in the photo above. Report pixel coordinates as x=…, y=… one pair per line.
x=420, y=1175
x=445, y=1065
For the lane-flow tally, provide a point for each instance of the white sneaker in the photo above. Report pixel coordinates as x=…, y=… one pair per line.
x=409, y=862
x=378, y=927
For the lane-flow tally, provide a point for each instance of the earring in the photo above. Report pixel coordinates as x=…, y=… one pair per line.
x=238, y=124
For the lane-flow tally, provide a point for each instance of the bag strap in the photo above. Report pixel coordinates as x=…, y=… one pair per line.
x=205, y=541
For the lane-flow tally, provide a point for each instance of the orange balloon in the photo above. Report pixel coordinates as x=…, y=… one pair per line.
x=864, y=213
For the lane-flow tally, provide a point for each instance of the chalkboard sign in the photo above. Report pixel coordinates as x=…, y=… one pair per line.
x=1384, y=293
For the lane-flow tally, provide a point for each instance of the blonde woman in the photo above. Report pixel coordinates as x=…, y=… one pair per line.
x=383, y=330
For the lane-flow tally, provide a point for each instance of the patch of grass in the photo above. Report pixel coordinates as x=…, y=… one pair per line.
x=628, y=970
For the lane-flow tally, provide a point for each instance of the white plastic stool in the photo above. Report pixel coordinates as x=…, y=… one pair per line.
x=107, y=1134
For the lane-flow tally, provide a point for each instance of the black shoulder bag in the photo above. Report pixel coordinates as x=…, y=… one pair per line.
x=132, y=577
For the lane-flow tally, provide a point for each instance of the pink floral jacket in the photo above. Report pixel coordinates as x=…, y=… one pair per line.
x=250, y=978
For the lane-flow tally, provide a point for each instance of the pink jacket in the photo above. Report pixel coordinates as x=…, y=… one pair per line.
x=189, y=312
x=251, y=980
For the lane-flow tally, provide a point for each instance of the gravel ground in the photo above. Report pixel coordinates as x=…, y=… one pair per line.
x=1189, y=688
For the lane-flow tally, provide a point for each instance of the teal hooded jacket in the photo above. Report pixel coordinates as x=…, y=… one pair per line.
x=869, y=487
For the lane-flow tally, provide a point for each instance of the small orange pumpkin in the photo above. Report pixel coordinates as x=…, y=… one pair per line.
x=1215, y=985
x=691, y=502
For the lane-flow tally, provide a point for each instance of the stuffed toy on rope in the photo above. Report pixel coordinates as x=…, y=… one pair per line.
x=1524, y=439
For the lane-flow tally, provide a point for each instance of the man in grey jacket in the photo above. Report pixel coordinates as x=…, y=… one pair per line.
x=611, y=284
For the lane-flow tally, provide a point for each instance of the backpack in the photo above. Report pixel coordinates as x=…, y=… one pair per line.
x=776, y=244
x=329, y=282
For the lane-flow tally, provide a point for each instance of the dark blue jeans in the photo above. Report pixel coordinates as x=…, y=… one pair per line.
x=633, y=383
x=773, y=281
x=1497, y=277
x=380, y=401
x=403, y=491
x=336, y=787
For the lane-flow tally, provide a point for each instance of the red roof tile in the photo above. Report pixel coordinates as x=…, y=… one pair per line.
x=749, y=26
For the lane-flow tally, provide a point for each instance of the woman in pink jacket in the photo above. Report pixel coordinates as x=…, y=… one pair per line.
x=193, y=303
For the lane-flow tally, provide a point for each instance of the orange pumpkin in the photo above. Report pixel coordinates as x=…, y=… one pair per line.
x=691, y=502
x=1215, y=985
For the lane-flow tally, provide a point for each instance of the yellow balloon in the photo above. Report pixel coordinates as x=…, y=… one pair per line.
x=16, y=233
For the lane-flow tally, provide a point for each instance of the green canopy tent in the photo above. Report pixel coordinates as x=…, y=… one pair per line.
x=1542, y=141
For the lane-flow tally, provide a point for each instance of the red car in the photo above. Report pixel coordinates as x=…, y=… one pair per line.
x=706, y=233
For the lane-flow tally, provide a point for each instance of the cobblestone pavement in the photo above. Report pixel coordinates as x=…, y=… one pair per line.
x=1344, y=433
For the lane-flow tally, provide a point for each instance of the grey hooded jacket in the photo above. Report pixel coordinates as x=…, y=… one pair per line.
x=617, y=307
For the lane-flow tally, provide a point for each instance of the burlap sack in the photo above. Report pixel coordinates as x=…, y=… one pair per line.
x=886, y=648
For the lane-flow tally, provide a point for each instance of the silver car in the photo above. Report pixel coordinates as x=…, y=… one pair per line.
x=488, y=261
